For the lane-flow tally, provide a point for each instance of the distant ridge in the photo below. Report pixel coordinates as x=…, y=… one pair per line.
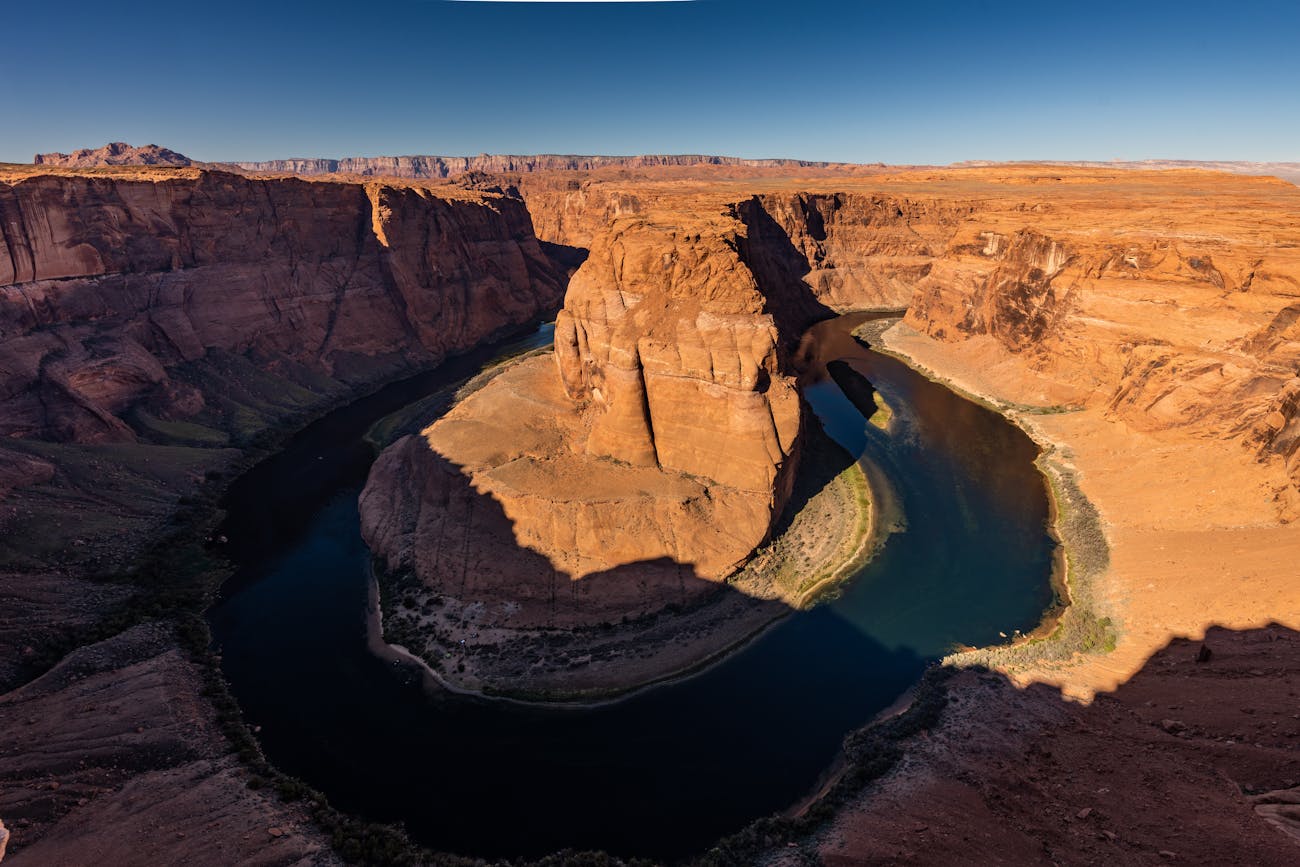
x=440, y=167
x=115, y=154
x=1285, y=171
x=445, y=167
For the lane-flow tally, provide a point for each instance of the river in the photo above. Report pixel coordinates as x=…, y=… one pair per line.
x=670, y=769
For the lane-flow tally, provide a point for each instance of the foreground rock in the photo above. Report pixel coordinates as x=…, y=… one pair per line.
x=112, y=757
x=1188, y=763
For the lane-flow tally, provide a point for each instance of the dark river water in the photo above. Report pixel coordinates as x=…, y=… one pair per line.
x=668, y=770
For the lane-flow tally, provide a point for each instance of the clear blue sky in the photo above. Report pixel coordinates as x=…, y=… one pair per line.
x=818, y=79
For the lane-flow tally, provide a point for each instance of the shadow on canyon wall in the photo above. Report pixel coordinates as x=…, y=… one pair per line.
x=1192, y=760
x=780, y=269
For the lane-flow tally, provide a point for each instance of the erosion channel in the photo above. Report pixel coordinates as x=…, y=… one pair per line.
x=666, y=770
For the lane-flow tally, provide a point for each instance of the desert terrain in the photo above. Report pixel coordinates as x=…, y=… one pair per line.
x=164, y=326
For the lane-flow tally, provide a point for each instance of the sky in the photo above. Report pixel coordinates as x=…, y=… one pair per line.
x=865, y=81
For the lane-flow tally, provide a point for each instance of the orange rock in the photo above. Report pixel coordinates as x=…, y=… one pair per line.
x=653, y=453
x=152, y=269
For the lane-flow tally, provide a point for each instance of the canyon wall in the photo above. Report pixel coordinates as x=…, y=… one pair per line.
x=1165, y=331
x=864, y=250
x=859, y=249
x=107, y=284
x=150, y=319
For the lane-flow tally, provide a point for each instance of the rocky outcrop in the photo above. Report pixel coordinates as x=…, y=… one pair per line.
x=113, y=757
x=1194, y=333
x=148, y=319
x=108, y=285
x=863, y=250
x=670, y=341
x=657, y=447
x=444, y=167
x=115, y=154
x=1022, y=776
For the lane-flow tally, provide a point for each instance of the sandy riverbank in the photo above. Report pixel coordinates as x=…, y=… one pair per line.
x=1198, y=530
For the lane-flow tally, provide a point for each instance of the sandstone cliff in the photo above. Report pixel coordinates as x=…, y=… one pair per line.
x=657, y=446
x=861, y=249
x=109, y=285
x=1169, y=328
x=149, y=319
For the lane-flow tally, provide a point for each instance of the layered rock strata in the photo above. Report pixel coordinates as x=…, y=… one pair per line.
x=860, y=248
x=149, y=320
x=1141, y=324
x=108, y=285
x=655, y=449
x=1164, y=328
x=443, y=167
x=113, y=757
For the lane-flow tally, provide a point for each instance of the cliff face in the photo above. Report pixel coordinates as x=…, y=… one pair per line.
x=677, y=350
x=865, y=250
x=107, y=284
x=444, y=167
x=656, y=448
x=1189, y=334
x=859, y=249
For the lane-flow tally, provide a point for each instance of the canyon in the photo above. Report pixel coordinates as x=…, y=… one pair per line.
x=1141, y=325
x=156, y=323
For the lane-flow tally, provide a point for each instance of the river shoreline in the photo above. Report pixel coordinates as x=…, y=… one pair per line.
x=671, y=647
x=777, y=667
x=1073, y=624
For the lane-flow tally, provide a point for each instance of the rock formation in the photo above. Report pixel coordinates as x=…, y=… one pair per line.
x=149, y=319
x=1166, y=330
x=112, y=756
x=112, y=284
x=669, y=345
x=658, y=444
x=115, y=154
